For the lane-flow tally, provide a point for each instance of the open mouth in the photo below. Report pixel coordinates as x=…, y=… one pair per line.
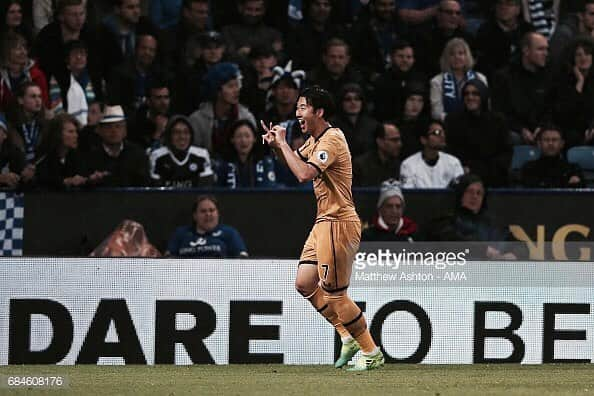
x=302, y=123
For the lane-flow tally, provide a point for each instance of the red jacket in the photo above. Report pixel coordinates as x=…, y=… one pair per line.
x=34, y=74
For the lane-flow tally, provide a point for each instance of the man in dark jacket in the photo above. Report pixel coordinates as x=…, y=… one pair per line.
x=381, y=162
x=116, y=163
x=389, y=223
x=551, y=170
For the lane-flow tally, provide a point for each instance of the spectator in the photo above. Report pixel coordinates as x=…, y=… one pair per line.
x=130, y=81
x=59, y=166
x=213, y=120
x=17, y=69
x=574, y=106
x=118, y=33
x=284, y=92
x=246, y=166
x=551, y=170
x=413, y=118
x=116, y=163
x=12, y=160
x=389, y=223
x=51, y=42
x=148, y=125
x=457, y=66
x=430, y=43
x=81, y=89
x=470, y=222
x=178, y=163
x=381, y=162
x=352, y=118
x=11, y=20
x=431, y=167
x=574, y=25
x=391, y=87
x=418, y=13
x=210, y=50
x=374, y=37
x=522, y=90
x=251, y=31
x=498, y=39
x=259, y=76
x=206, y=237
x=542, y=14
x=306, y=41
x=336, y=69
x=88, y=137
x=43, y=14
x=27, y=122
x=194, y=21
x=479, y=137
x=165, y=13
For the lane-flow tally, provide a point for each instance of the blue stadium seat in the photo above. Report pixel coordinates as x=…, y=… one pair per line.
x=584, y=157
x=523, y=154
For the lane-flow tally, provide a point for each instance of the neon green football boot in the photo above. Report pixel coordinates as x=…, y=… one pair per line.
x=368, y=362
x=347, y=351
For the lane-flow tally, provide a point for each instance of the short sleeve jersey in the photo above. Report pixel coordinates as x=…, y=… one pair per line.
x=330, y=155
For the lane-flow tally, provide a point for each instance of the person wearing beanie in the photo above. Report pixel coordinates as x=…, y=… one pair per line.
x=470, y=222
x=178, y=163
x=479, y=137
x=431, y=167
x=12, y=160
x=389, y=222
x=213, y=119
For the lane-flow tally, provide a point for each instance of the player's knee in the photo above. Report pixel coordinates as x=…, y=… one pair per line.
x=305, y=287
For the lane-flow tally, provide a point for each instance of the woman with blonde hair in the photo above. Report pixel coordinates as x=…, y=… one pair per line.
x=456, y=64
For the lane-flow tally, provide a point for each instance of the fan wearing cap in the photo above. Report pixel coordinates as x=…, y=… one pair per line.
x=212, y=121
x=12, y=160
x=389, y=223
x=116, y=162
x=431, y=167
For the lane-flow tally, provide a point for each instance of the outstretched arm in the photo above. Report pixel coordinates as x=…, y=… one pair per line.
x=275, y=138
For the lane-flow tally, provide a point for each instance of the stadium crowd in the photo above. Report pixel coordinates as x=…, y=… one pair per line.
x=119, y=93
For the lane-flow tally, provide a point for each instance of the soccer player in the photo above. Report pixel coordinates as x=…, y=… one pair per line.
x=326, y=260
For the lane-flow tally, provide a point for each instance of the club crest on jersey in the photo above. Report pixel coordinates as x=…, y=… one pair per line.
x=198, y=242
x=193, y=167
x=322, y=156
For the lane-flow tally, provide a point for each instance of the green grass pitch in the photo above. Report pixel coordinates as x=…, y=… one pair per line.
x=272, y=380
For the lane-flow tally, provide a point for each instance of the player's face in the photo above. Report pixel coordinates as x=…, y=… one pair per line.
x=413, y=106
x=305, y=114
x=472, y=98
x=230, y=92
x=391, y=211
x=403, y=59
x=583, y=59
x=69, y=136
x=473, y=196
x=180, y=136
x=206, y=215
x=243, y=140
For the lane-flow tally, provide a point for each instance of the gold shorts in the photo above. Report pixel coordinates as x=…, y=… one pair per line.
x=332, y=245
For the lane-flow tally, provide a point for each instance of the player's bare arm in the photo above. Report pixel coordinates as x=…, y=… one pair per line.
x=275, y=137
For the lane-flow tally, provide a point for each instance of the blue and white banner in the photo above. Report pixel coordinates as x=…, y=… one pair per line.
x=12, y=208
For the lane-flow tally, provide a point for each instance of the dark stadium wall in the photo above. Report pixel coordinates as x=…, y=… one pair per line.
x=275, y=224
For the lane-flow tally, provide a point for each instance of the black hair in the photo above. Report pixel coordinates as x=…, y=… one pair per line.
x=319, y=98
x=400, y=44
x=257, y=151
